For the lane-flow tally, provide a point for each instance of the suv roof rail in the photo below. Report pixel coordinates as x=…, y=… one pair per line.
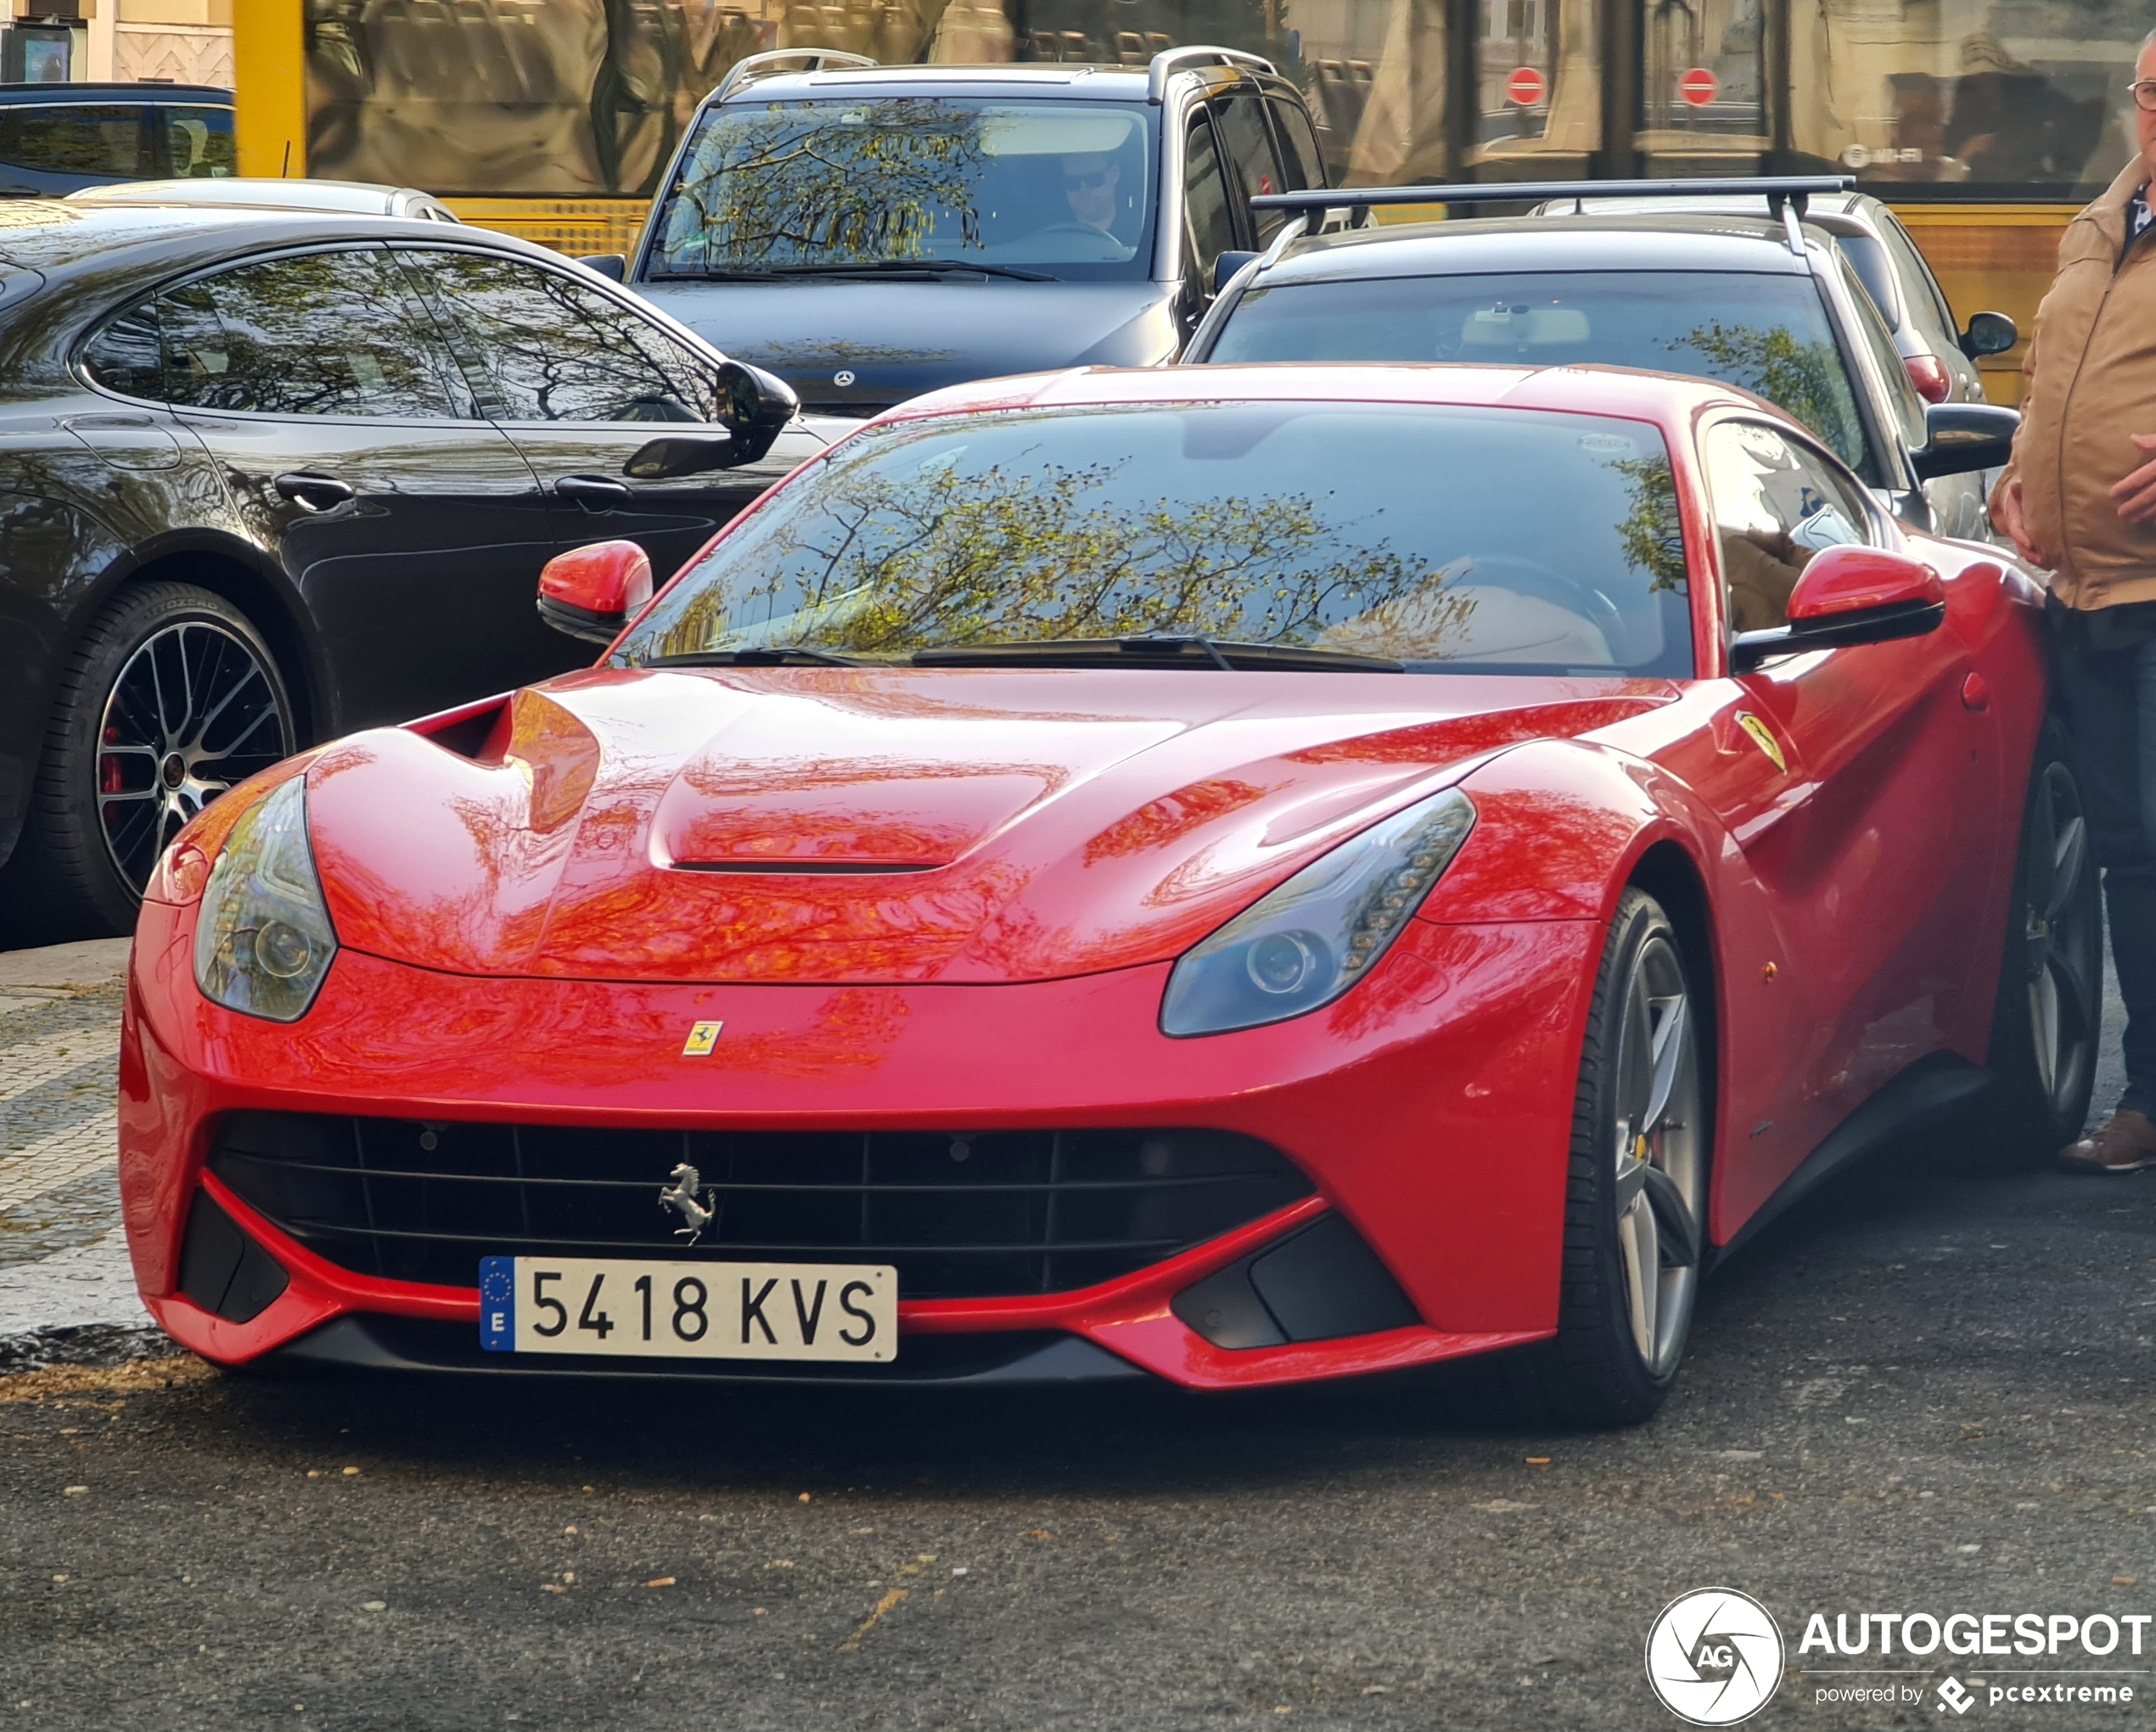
x=1170, y=61
x=755, y=66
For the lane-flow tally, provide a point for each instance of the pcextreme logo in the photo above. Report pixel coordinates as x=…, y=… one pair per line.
x=1714, y=1656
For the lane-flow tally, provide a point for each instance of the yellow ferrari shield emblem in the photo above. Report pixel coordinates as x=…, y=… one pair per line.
x=702, y=1038
x=1762, y=736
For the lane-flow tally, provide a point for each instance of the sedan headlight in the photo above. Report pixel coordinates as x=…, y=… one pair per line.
x=1315, y=936
x=263, y=941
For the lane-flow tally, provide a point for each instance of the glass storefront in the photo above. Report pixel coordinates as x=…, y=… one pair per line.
x=1962, y=100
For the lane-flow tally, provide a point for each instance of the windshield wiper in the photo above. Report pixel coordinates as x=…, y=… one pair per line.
x=761, y=656
x=1167, y=648
x=909, y=267
x=717, y=273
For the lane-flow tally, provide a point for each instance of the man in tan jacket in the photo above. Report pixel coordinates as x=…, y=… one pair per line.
x=2080, y=499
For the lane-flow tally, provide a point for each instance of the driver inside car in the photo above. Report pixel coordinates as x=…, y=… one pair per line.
x=1089, y=183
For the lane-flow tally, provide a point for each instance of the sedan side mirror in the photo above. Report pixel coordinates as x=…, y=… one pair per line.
x=1226, y=265
x=754, y=407
x=1989, y=333
x=1849, y=595
x=593, y=593
x=1965, y=437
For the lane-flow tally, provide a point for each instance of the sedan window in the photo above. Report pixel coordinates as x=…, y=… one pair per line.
x=557, y=350
x=1767, y=333
x=1445, y=538
x=1776, y=505
x=314, y=333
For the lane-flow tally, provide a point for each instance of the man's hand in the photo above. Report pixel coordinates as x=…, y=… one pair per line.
x=2136, y=493
x=2007, y=517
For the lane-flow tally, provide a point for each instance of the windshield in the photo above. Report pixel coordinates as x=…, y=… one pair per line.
x=1058, y=189
x=1499, y=541
x=1769, y=334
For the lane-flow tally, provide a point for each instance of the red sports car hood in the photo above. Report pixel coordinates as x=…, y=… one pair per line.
x=858, y=825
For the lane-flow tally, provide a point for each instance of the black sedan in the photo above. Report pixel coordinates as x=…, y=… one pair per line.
x=267, y=477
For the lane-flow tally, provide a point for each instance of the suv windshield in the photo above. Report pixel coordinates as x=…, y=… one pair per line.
x=1480, y=540
x=1769, y=334
x=1059, y=190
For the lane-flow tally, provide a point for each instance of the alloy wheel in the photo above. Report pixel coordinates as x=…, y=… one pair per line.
x=193, y=712
x=2061, y=936
x=1659, y=1171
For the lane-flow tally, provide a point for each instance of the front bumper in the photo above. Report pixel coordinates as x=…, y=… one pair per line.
x=1431, y=1107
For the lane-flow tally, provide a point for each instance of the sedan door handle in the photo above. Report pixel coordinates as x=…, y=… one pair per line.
x=315, y=492
x=593, y=492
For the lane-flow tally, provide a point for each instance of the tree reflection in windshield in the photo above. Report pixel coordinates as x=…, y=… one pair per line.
x=1503, y=539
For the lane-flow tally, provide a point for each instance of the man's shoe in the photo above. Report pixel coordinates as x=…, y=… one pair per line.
x=2125, y=1142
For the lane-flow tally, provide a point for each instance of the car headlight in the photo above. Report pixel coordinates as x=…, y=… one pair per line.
x=1315, y=936
x=263, y=941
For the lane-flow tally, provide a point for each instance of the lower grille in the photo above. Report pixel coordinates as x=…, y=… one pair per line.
x=960, y=1214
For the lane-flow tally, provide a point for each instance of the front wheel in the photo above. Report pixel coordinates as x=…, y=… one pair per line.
x=2049, y=1014
x=1636, y=1191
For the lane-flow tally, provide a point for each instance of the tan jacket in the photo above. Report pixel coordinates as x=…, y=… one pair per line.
x=2089, y=381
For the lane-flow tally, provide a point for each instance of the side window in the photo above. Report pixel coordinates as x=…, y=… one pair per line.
x=1249, y=148
x=125, y=356
x=199, y=144
x=1928, y=301
x=316, y=334
x=556, y=351
x=1907, y=408
x=1777, y=502
x=1205, y=207
x=82, y=138
x=1300, y=155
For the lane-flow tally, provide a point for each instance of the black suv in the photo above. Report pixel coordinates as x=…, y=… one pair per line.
x=1769, y=302
x=870, y=233
x=57, y=139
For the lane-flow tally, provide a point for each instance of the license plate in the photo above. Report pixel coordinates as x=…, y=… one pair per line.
x=638, y=1309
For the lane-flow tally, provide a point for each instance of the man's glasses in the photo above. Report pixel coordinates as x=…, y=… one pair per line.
x=2145, y=94
x=1102, y=177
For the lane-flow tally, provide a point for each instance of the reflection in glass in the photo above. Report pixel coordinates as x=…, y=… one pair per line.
x=1064, y=189
x=1768, y=334
x=1424, y=534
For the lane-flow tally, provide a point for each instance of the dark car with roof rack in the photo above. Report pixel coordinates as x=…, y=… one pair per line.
x=871, y=233
x=1773, y=303
x=57, y=139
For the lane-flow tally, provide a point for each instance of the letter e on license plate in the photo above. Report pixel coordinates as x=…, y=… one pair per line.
x=629, y=1308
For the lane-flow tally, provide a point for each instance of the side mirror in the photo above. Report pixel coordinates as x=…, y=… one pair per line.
x=616, y=265
x=754, y=406
x=1961, y=437
x=592, y=592
x=1226, y=265
x=1989, y=333
x=1846, y=595
x=681, y=454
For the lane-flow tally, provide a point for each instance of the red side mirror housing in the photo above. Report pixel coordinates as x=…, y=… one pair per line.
x=1841, y=580
x=593, y=593
x=1849, y=596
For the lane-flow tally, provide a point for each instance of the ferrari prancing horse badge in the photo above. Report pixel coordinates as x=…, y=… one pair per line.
x=702, y=1038
x=1762, y=736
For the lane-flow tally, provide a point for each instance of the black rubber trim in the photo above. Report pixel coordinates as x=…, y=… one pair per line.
x=1320, y=1283
x=222, y=1270
x=986, y=1359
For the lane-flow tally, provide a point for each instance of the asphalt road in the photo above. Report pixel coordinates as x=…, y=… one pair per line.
x=1927, y=1390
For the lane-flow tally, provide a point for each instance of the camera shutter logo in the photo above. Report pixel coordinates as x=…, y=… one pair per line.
x=1714, y=1656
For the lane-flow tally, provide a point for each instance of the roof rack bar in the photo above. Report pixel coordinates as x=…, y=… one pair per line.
x=1170, y=61
x=1532, y=192
x=755, y=66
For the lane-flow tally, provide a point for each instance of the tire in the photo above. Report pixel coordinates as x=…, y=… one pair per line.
x=170, y=697
x=2048, y=1017
x=1621, y=1337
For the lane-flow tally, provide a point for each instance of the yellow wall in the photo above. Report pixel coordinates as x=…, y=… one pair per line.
x=1991, y=258
x=270, y=81
x=571, y=226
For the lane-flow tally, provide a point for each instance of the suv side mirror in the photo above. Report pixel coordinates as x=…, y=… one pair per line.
x=616, y=265
x=1961, y=437
x=1226, y=265
x=592, y=592
x=754, y=406
x=1849, y=595
x=1989, y=333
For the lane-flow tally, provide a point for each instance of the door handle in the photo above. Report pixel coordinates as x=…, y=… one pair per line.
x=593, y=492
x=315, y=493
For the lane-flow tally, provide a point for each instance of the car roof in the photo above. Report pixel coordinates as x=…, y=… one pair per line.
x=1669, y=400
x=192, y=94
x=1697, y=242
x=56, y=235
x=1056, y=81
x=364, y=197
